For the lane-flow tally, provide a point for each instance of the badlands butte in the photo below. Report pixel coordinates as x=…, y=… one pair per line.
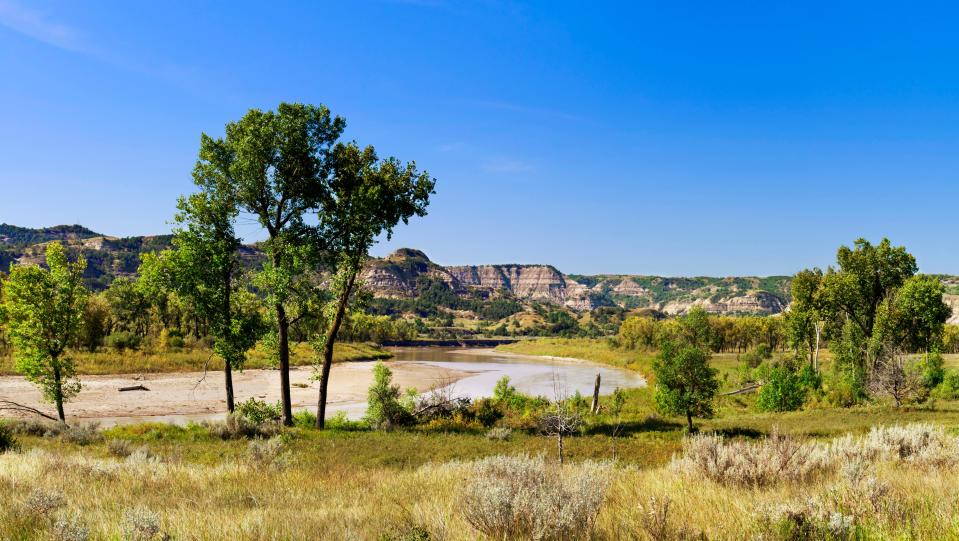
x=406, y=273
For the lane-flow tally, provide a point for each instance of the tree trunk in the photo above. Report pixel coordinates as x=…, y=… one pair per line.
x=689, y=420
x=815, y=363
x=342, y=303
x=228, y=382
x=226, y=328
x=559, y=443
x=595, y=408
x=58, y=391
x=283, y=339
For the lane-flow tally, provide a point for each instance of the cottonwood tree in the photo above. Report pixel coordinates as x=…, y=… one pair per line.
x=563, y=418
x=805, y=317
x=43, y=308
x=205, y=267
x=685, y=383
x=276, y=163
x=366, y=197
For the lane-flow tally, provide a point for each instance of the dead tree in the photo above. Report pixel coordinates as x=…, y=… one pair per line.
x=595, y=408
x=894, y=374
x=563, y=417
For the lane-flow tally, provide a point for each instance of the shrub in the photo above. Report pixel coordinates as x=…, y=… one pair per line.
x=339, y=421
x=920, y=444
x=487, y=412
x=304, y=419
x=755, y=356
x=69, y=528
x=384, y=408
x=525, y=498
x=949, y=388
x=259, y=412
x=81, y=434
x=8, y=442
x=123, y=340
x=774, y=459
x=140, y=524
x=783, y=390
x=120, y=448
x=931, y=370
x=266, y=453
x=236, y=426
x=500, y=433
x=42, y=502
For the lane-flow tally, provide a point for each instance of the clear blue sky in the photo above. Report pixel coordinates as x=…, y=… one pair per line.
x=707, y=138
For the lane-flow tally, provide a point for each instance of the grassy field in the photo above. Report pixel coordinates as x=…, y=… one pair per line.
x=138, y=362
x=410, y=484
x=413, y=484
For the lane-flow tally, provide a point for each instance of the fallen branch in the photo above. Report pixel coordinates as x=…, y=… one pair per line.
x=747, y=389
x=134, y=388
x=9, y=405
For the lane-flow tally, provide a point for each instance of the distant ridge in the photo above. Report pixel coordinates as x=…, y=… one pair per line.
x=402, y=276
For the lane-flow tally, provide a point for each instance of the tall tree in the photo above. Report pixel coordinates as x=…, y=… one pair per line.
x=867, y=275
x=44, y=308
x=366, y=197
x=276, y=162
x=805, y=313
x=920, y=313
x=206, y=266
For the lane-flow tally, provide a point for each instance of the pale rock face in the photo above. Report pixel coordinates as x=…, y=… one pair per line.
x=630, y=288
x=396, y=276
x=753, y=302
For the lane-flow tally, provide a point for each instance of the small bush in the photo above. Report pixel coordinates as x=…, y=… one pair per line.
x=236, y=427
x=526, y=498
x=775, y=459
x=783, y=390
x=259, y=412
x=304, y=419
x=81, y=434
x=123, y=340
x=41, y=502
x=384, y=407
x=70, y=528
x=487, y=412
x=500, y=433
x=339, y=421
x=8, y=442
x=140, y=524
x=120, y=448
x=266, y=453
x=921, y=444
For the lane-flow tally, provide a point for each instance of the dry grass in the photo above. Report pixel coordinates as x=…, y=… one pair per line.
x=319, y=494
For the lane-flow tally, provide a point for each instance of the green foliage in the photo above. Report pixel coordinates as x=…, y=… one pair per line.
x=44, y=309
x=949, y=388
x=123, y=340
x=685, y=383
x=8, y=441
x=784, y=388
x=259, y=412
x=932, y=369
x=920, y=312
x=755, y=356
x=487, y=412
x=384, y=407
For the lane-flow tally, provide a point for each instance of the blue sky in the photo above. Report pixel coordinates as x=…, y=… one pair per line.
x=707, y=138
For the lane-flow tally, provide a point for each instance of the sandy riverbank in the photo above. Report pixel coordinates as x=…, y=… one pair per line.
x=192, y=394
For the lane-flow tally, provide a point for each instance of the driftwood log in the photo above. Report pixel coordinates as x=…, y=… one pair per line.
x=9, y=405
x=134, y=388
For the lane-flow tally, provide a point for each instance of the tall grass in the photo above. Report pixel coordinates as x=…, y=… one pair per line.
x=318, y=490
